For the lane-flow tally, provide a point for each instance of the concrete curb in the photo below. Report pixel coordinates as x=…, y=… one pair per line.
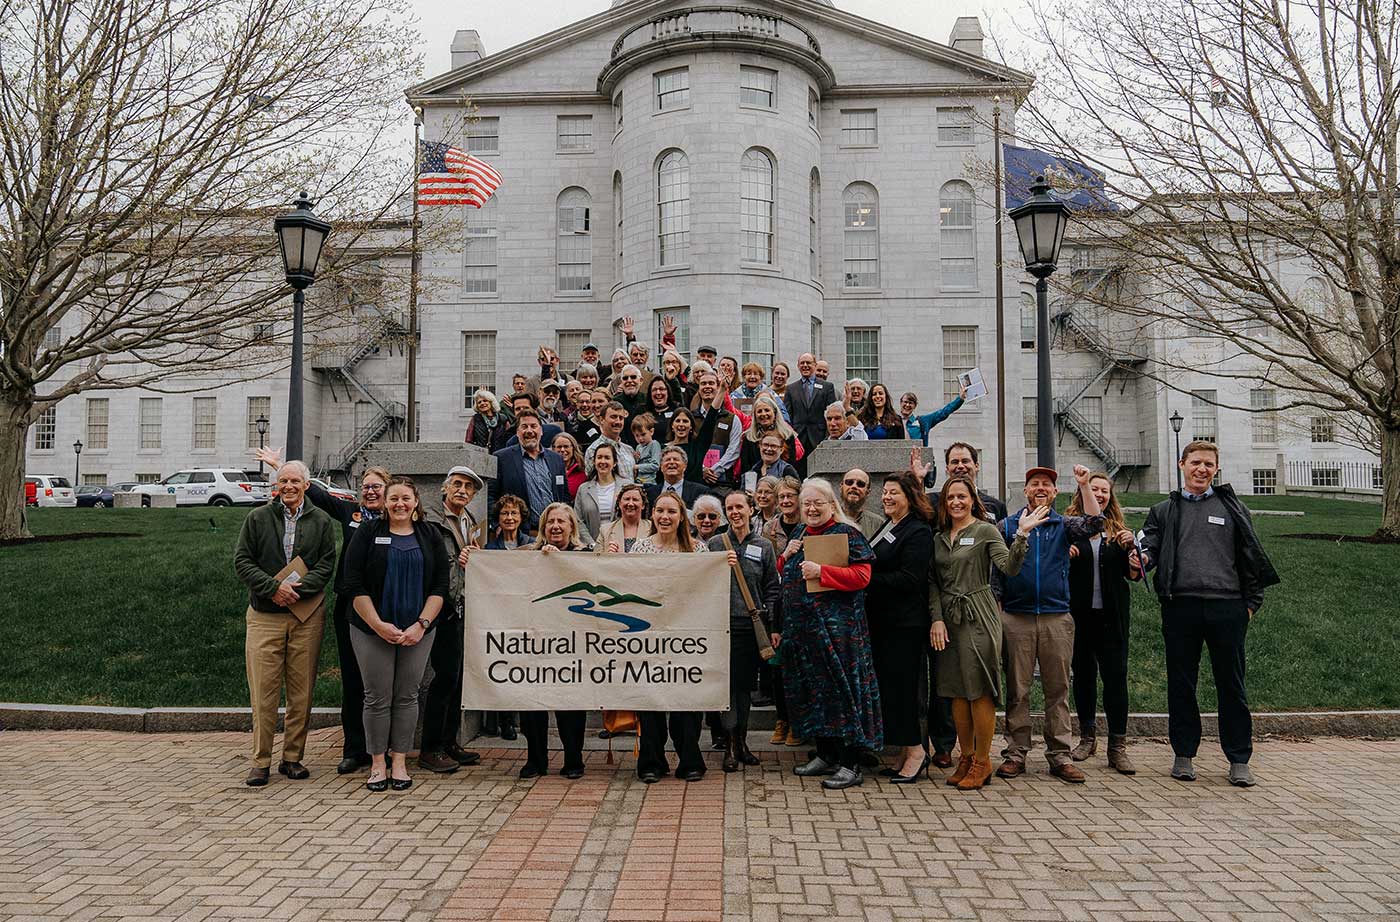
x=195, y=720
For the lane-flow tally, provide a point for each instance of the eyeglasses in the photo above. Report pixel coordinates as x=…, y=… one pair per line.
x=371, y=488
x=815, y=504
x=707, y=515
x=852, y=482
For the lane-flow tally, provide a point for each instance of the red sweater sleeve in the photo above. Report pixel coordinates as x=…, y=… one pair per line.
x=846, y=579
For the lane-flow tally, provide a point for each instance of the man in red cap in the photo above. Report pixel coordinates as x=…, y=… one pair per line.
x=1037, y=625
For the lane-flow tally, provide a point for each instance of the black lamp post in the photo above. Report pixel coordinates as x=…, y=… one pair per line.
x=301, y=236
x=1040, y=228
x=77, y=463
x=261, y=423
x=1176, y=421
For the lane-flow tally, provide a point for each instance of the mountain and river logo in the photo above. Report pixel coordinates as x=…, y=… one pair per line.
x=603, y=597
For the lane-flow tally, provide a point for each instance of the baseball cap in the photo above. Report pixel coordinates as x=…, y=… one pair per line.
x=550, y=385
x=708, y=349
x=589, y=346
x=469, y=474
x=1043, y=472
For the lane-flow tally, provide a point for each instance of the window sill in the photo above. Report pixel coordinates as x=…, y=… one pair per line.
x=575, y=294
x=574, y=151
x=46, y=452
x=481, y=296
x=485, y=153
x=857, y=147
x=862, y=292
x=671, y=270
x=670, y=110
x=956, y=144
x=764, y=268
x=771, y=110
x=959, y=290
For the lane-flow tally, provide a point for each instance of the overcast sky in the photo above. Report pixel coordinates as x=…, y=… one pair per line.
x=504, y=26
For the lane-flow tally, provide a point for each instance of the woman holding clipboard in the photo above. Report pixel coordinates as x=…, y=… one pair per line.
x=828, y=671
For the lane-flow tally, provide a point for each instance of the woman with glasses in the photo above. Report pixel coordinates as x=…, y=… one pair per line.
x=829, y=674
x=786, y=521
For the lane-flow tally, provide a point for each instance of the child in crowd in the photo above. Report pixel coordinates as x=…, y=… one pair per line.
x=648, y=449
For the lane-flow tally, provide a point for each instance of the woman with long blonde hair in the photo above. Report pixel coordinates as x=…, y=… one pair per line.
x=1099, y=601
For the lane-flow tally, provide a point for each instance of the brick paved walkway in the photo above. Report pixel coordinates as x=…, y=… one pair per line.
x=106, y=826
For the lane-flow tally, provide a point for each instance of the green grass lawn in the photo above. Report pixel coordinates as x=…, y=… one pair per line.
x=157, y=619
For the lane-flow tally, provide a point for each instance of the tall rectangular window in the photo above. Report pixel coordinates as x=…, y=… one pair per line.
x=863, y=353
x=1028, y=321
x=759, y=333
x=861, y=237
x=574, y=132
x=681, y=316
x=206, y=414
x=478, y=364
x=1030, y=432
x=1203, y=416
x=954, y=125
x=814, y=111
x=672, y=89
x=1263, y=421
x=479, y=267
x=53, y=338
x=569, y=344
x=575, y=245
x=1091, y=408
x=148, y=478
x=484, y=136
x=959, y=355
x=148, y=417
x=46, y=429
x=957, y=237
x=617, y=112
x=814, y=231
x=758, y=86
x=258, y=408
x=756, y=206
x=672, y=209
x=1323, y=430
x=858, y=128
x=816, y=344
x=98, y=409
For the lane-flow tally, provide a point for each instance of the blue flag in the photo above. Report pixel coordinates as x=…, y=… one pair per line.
x=1077, y=185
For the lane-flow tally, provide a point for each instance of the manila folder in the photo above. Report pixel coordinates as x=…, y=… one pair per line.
x=831, y=550
x=292, y=573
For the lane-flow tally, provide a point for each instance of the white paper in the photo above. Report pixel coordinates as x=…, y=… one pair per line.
x=972, y=380
x=751, y=481
x=293, y=579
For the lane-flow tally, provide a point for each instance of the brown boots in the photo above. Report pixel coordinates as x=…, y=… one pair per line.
x=977, y=776
x=1118, y=755
x=1088, y=745
x=959, y=773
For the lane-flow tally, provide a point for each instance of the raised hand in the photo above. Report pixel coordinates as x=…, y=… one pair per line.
x=1081, y=474
x=627, y=325
x=668, y=326
x=270, y=456
x=1032, y=518
x=917, y=465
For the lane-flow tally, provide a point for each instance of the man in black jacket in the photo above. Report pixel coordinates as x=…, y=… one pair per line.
x=529, y=471
x=351, y=515
x=961, y=460
x=1211, y=572
x=673, y=461
x=807, y=398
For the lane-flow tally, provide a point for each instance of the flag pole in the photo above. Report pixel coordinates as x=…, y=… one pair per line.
x=411, y=409
x=1001, y=309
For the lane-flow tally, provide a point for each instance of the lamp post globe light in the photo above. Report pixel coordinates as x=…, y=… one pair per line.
x=261, y=423
x=301, y=236
x=1176, y=420
x=77, y=463
x=1040, y=228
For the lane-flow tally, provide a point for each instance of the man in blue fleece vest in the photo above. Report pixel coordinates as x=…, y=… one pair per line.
x=1037, y=626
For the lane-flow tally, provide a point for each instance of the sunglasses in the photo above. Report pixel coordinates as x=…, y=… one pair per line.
x=852, y=482
x=707, y=515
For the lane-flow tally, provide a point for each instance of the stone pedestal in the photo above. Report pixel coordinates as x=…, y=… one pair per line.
x=428, y=463
x=878, y=458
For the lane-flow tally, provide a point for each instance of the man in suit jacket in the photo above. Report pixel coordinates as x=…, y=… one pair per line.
x=528, y=401
x=807, y=399
x=527, y=470
x=673, y=461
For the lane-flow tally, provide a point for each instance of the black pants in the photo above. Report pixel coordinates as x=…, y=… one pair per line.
x=1221, y=624
x=1101, y=648
x=442, y=711
x=898, y=653
x=834, y=751
x=685, y=736
x=535, y=726
x=352, y=686
x=941, y=730
x=774, y=676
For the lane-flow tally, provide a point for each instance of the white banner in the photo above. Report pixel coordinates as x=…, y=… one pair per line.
x=579, y=631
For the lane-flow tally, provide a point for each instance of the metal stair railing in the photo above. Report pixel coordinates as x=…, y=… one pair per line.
x=1091, y=436
x=364, y=435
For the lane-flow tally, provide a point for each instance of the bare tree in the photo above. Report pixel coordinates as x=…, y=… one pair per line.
x=146, y=145
x=1253, y=144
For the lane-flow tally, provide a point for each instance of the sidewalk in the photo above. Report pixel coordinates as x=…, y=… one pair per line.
x=110, y=826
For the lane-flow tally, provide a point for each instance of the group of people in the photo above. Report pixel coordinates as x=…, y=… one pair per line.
x=946, y=607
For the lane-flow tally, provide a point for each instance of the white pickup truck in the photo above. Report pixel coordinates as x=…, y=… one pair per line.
x=207, y=487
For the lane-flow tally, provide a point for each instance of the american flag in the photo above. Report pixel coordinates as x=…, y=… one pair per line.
x=448, y=176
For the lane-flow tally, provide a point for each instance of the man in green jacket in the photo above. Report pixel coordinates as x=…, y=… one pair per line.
x=281, y=645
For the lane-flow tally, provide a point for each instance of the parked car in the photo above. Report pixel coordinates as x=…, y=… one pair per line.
x=333, y=490
x=48, y=490
x=207, y=487
x=95, y=496
x=124, y=487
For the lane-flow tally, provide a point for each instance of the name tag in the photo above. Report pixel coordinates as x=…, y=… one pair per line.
x=967, y=542
x=889, y=536
x=753, y=552
x=559, y=480
x=722, y=426
x=1215, y=520
x=354, y=524
x=383, y=541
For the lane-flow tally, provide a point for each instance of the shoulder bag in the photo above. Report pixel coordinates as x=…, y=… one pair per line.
x=760, y=628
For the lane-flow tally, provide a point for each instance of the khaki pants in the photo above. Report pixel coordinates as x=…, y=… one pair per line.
x=279, y=647
x=1048, y=639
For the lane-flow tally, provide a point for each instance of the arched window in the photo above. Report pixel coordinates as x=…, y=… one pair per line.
x=672, y=209
x=479, y=259
x=617, y=228
x=756, y=206
x=861, y=246
x=814, y=231
x=957, y=240
x=574, y=253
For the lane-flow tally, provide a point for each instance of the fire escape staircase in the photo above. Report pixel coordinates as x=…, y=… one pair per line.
x=338, y=364
x=1115, y=357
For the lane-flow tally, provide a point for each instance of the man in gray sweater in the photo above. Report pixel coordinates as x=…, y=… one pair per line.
x=1210, y=575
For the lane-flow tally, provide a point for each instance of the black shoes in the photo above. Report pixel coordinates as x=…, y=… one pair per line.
x=462, y=756
x=897, y=778
x=530, y=770
x=293, y=770
x=508, y=732
x=351, y=764
x=401, y=784
x=572, y=772
x=694, y=774
x=648, y=777
x=378, y=786
x=440, y=762
x=746, y=755
x=257, y=777
x=719, y=740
